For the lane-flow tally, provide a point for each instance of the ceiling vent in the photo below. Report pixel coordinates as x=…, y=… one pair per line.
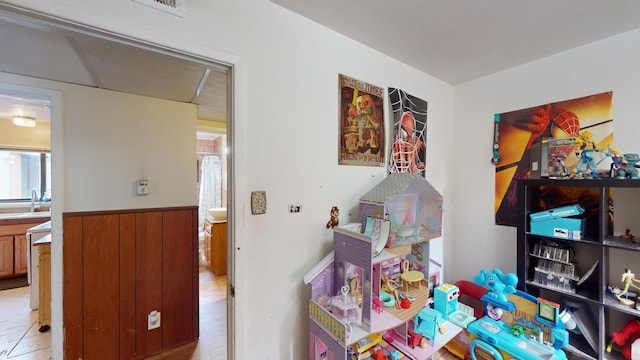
x=175, y=7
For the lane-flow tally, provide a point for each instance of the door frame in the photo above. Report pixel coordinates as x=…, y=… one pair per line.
x=28, y=16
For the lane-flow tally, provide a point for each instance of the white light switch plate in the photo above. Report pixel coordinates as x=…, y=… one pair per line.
x=142, y=187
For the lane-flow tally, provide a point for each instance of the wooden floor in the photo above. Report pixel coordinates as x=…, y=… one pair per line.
x=20, y=339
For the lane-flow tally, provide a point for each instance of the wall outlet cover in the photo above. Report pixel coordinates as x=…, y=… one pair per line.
x=154, y=320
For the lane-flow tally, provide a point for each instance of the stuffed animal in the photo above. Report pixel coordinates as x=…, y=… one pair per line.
x=626, y=338
x=333, y=222
x=498, y=284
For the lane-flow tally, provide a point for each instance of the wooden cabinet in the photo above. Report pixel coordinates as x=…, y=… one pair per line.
x=44, y=286
x=6, y=256
x=215, y=245
x=582, y=274
x=219, y=248
x=13, y=246
x=20, y=248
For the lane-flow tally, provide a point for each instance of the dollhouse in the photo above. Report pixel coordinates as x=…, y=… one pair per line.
x=362, y=293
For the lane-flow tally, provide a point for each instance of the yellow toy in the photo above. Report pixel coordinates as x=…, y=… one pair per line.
x=628, y=278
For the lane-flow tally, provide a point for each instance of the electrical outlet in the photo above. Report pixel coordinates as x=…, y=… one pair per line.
x=154, y=320
x=295, y=208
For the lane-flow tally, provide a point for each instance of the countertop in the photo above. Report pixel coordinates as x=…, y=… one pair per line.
x=24, y=218
x=213, y=220
x=44, y=227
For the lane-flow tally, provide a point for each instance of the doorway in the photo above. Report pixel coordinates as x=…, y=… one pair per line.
x=26, y=198
x=108, y=47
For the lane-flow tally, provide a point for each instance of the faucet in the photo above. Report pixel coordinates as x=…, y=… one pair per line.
x=35, y=197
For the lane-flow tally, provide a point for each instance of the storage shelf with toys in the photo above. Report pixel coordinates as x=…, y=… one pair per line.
x=576, y=248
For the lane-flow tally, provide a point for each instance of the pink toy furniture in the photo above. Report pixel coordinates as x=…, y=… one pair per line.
x=377, y=305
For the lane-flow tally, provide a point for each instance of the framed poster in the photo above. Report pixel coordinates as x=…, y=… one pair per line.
x=361, y=123
x=409, y=148
x=520, y=136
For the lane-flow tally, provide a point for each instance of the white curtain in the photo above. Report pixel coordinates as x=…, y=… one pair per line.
x=210, y=186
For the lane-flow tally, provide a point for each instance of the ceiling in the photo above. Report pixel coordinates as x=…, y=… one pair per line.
x=53, y=52
x=462, y=40
x=455, y=41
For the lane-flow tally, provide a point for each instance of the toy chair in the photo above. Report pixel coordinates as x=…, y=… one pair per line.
x=426, y=323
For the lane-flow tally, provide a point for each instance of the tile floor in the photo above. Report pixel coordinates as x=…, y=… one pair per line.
x=20, y=339
x=19, y=336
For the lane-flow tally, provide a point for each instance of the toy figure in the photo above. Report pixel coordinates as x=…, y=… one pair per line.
x=390, y=286
x=630, y=170
x=629, y=235
x=499, y=284
x=585, y=149
x=559, y=166
x=628, y=278
x=333, y=221
x=618, y=164
x=626, y=338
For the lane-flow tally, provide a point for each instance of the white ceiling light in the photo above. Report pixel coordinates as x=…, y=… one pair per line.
x=26, y=121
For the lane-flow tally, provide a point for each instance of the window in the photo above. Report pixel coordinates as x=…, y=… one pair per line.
x=21, y=171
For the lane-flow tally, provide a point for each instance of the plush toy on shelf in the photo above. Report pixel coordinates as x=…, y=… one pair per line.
x=627, y=337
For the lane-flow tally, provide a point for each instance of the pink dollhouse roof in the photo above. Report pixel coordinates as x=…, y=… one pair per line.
x=395, y=183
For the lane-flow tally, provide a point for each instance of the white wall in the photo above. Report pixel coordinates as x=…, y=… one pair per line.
x=286, y=73
x=113, y=139
x=608, y=65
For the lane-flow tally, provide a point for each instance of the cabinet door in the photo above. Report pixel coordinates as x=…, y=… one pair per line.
x=219, y=248
x=20, y=259
x=6, y=256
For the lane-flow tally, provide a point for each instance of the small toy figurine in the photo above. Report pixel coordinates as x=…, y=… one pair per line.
x=627, y=278
x=631, y=171
x=333, y=222
x=628, y=235
x=618, y=164
x=585, y=149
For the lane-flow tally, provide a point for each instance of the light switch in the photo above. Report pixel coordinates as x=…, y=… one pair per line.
x=142, y=187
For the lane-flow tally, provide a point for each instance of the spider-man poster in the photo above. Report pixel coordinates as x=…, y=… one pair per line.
x=409, y=150
x=361, y=123
x=519, y=137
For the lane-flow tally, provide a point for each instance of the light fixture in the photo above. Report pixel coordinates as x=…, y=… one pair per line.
x=26, y=121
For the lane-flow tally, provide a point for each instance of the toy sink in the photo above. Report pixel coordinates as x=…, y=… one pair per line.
x=535, y=349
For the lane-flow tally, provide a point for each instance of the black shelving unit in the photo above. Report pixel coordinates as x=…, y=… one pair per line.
x=594, y=255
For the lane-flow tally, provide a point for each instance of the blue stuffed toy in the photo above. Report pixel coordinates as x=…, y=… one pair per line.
x=498, y=283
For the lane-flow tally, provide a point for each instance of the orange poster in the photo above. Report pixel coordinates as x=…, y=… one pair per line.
x=361, y=123
x=521, y=138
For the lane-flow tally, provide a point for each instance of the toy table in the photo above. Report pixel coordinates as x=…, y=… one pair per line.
x=411, y=277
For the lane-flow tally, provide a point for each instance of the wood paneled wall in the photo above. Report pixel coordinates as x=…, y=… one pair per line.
x=118, y=267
